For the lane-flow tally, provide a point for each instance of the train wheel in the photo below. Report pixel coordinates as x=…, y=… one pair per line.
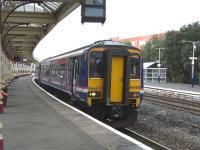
x=71, y=101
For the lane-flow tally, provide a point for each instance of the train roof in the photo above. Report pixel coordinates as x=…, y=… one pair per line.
x=86, y=48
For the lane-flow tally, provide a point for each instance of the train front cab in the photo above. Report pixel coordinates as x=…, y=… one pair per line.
x=115, y=81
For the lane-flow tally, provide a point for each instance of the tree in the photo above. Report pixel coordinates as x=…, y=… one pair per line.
x=191, y=32
x=172, y=56
x=127, y=42
x=176, y=54
x=150, y=54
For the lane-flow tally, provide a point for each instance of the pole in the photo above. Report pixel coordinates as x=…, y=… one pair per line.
x=159, y=65
x=159, y=55
x=192, y=58
x=194, y=48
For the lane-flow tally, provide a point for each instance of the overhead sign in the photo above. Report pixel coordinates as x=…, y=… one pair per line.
x=93, y=11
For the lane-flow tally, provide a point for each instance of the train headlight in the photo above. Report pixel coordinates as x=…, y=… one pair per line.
x=134, y=94
x=94, y=94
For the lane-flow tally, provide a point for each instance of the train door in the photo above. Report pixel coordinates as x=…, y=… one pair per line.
x=75, y=75
x=116, y=77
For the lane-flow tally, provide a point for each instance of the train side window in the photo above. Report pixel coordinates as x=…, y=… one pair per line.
x=78, y=67
x=135, y=68
x=62, y=66
x=47, y=73
x=96, y=65
x=62, y=74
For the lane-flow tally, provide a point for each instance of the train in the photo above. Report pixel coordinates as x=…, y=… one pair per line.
x=105, y=77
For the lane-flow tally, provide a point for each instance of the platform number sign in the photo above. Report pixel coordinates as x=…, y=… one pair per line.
x=93, y=11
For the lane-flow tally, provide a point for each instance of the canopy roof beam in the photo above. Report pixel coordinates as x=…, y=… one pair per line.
x=27, y=31
x=30, y=17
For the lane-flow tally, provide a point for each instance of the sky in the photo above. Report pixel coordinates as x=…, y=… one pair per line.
x=124, y=19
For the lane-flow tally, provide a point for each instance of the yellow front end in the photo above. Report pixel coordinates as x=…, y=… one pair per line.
x=95, y=90
x=116, y=85
x=134, y=92
x=135, y=78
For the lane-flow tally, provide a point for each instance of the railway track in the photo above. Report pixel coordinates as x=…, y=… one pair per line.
x=140, y=138
x=143, y=139
x=174, y=101
x=175, y=94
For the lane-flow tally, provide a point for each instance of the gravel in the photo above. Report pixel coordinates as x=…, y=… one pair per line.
x=173, y=128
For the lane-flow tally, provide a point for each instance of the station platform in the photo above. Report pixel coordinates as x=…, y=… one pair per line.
x=176, y=86
x=33, y=120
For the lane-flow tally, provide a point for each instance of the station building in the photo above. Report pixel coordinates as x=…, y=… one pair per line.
x=153, y=73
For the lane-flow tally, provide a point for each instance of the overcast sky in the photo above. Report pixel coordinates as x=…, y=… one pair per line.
x=124, y=18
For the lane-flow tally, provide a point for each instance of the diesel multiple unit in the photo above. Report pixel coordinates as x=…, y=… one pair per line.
x=106, y=77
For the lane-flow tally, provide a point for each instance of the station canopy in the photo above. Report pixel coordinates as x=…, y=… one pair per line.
x=25, y=22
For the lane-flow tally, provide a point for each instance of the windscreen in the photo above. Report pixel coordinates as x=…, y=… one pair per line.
x=135, y=68
x=96, y=65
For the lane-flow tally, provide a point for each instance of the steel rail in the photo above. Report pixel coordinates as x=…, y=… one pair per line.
x=173, y=99
x=143, y=139
x=174, y=91
x=181, y=104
